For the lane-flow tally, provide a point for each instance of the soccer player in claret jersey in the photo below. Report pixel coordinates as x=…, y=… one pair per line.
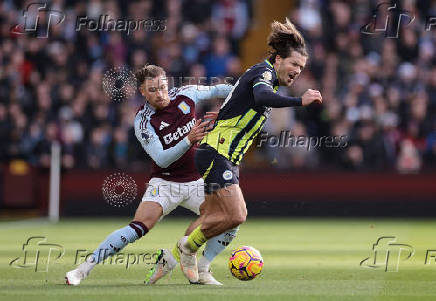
x=240, y=119
x=167, y=129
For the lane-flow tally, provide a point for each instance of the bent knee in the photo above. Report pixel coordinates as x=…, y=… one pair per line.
x=237, y=219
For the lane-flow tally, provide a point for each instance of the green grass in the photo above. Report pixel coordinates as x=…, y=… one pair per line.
x=305, y=259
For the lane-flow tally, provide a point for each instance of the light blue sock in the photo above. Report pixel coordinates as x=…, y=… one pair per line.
x=114, y=243
x=214, y=246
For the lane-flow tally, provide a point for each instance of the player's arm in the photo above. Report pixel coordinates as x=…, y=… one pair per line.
x=264, y=95
x=199, y=93
x=165, y=157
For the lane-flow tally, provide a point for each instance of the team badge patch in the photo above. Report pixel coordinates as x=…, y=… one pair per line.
x=146, y=135
x=267, y=75
x=154, y=192
x=184, y=107
x=227, y=175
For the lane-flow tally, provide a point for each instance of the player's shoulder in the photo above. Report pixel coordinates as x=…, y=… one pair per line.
x=143, y=114
x=264, y=68
x=143, y=130
x=145, y=110
x=263, y=73
x=188, y=91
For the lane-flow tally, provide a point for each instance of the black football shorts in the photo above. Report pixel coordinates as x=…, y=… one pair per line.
x=216, y=170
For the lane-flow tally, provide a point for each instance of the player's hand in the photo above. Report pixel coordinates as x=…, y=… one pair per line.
x=211, y=117
x=198, y=131
x=311, y=96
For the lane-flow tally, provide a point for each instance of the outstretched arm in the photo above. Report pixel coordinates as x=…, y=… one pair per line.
x=199, y=93
x=264, y=96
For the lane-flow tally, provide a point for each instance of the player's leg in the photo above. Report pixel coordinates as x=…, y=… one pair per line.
x=219, y=175
x=160, y=268
x=169, y=195
x=226, y=210
x=196, y=203
x=214, y=246
x=147, y=214
x=193, y=197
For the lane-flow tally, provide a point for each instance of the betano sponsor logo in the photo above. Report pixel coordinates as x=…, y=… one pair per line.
x=179, y=132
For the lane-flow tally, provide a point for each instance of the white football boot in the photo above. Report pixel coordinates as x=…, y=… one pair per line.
x=165, y=263
x=188, y=261
x=74, y=277
x=206, y=277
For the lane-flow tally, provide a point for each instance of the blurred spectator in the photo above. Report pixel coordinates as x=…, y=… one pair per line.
x=379, y=93
x=217, y=62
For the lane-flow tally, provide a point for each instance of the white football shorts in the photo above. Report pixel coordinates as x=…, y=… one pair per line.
x=169, y=195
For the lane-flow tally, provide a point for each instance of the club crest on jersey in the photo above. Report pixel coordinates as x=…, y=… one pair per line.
x=227, y=175
x=184, y=107
x=154, y=191
x=267, y=75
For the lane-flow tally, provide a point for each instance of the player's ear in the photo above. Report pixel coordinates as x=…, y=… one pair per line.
x=142, y=89
x=278, y=59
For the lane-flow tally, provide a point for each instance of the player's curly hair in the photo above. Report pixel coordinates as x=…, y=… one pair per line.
x=283, y=39
x=148, y=71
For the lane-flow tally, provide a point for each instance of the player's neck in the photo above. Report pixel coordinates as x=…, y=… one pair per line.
x=151, y=106
x=275, y=66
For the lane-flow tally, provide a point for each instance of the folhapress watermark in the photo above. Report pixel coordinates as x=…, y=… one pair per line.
x=106, y=23
x=286, y=139
x=126, y=259
x=38, y=19
x=38, y=255
x=387, y=18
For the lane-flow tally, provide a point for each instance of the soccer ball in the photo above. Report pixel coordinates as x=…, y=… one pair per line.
x=245, y=263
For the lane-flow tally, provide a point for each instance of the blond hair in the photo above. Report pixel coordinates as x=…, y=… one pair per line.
x=285, y=38
x=148, y=72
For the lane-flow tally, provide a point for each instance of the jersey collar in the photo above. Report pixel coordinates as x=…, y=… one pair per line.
x=269, y=63
x=148, y=108
x=276, y=82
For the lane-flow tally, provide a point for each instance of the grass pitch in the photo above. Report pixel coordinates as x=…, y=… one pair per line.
x=305, y=259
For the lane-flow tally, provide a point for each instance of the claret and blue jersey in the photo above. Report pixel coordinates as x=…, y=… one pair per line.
x=163, y=133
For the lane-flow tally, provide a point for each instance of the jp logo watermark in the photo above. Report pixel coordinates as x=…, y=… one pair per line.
x=38, y=254
x=387, y=254
x=38, y=20
x=387, y=18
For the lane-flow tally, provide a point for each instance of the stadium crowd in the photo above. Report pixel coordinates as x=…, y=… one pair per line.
x=379, y=93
